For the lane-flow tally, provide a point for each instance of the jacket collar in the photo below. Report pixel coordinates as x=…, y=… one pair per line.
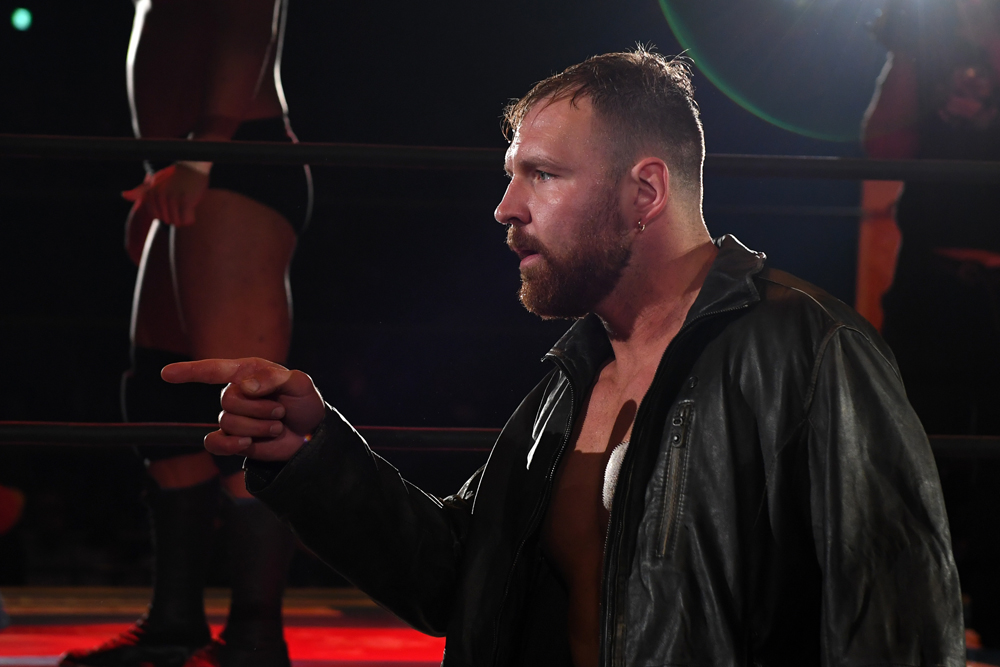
x=728, y=286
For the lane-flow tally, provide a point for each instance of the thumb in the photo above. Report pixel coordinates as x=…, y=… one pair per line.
x=264, y=380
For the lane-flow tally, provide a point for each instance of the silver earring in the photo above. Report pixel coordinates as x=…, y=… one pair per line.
x=642, y=227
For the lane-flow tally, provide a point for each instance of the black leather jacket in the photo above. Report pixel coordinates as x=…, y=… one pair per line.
x=778, y=505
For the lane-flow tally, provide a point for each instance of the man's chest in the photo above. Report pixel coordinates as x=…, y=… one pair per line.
x=577, y=518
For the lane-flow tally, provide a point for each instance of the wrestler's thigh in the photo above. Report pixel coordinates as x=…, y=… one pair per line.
x=155, y=315
x=231, y=268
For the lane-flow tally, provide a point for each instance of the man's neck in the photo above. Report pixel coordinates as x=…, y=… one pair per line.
x=650, y=304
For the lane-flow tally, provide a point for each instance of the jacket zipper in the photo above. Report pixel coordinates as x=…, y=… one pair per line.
x=609, y=592
x=673, y=483
x=535, y=517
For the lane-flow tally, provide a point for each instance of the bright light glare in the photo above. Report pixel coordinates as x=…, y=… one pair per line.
x=807, y=66
x=20, y=19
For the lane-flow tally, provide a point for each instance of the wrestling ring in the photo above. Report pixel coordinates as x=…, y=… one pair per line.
x=428, y=440
x=327, y=627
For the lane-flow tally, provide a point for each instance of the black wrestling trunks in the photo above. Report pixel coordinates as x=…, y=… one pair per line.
x=288, y=189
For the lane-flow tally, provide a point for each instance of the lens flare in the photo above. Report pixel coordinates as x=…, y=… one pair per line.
x=20, y=18
x=808, y=66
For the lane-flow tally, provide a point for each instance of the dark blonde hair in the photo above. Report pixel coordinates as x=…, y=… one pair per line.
x=643, y=101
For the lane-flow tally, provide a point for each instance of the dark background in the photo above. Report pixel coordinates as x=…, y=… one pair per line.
x=404, y=291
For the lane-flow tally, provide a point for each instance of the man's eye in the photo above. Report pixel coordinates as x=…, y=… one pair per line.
x=544, y=175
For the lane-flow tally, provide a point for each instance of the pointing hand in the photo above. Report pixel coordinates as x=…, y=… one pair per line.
x=267, y=410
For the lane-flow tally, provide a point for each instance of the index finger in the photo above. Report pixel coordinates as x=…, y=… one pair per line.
x=254, y=376
x=209, y=371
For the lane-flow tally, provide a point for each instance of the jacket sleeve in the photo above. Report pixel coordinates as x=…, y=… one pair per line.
x=348, y=505
x=890, y=588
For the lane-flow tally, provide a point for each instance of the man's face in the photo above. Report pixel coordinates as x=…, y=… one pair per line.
x=564, y=211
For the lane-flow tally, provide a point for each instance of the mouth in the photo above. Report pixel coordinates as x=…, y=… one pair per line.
x=529, y=259
x=522, y=252
x=527, y=249
x=526, y=255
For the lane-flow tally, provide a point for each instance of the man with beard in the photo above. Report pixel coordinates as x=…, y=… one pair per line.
x=721, y=467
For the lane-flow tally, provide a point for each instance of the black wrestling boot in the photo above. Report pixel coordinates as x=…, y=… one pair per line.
x=260, y=550
x=174, y=627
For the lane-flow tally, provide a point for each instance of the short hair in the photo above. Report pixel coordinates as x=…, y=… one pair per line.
x=643, y=100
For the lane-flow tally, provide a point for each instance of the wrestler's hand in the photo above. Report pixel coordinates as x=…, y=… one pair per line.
x=170, y=195
x=267, y=410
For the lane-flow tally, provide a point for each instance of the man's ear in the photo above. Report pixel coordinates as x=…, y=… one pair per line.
x=652, y=178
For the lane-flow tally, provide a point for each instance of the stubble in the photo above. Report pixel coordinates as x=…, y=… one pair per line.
x=571, y=283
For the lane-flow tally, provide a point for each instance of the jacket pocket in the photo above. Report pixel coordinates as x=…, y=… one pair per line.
x=672, y=503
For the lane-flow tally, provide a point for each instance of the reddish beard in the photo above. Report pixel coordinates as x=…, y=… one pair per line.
x=571, y=284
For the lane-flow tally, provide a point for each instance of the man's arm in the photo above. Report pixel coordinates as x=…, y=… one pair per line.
x=890, y=587
x=352, y=508
x=395, y=542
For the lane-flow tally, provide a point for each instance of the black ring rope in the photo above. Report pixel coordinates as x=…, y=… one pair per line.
x=79, y=434
x=426, y=157
x=478, y=159
x=381, y=438
x=252, y=152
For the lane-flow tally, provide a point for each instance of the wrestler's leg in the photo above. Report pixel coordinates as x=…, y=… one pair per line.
x=231, y=272
x=156, y=325
x=231, y=269
x=227, y=311
x=184, y=499
x=155, y=313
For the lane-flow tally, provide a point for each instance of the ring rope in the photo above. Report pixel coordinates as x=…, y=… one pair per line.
x=251, y=152
x=380, y=438
x=474, y=159
x=78, y=434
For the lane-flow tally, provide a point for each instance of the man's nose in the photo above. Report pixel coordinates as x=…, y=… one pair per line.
x=512, y=208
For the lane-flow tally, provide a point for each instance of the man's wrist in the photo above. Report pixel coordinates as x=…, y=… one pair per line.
x=261, y=474
x=320, y=429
